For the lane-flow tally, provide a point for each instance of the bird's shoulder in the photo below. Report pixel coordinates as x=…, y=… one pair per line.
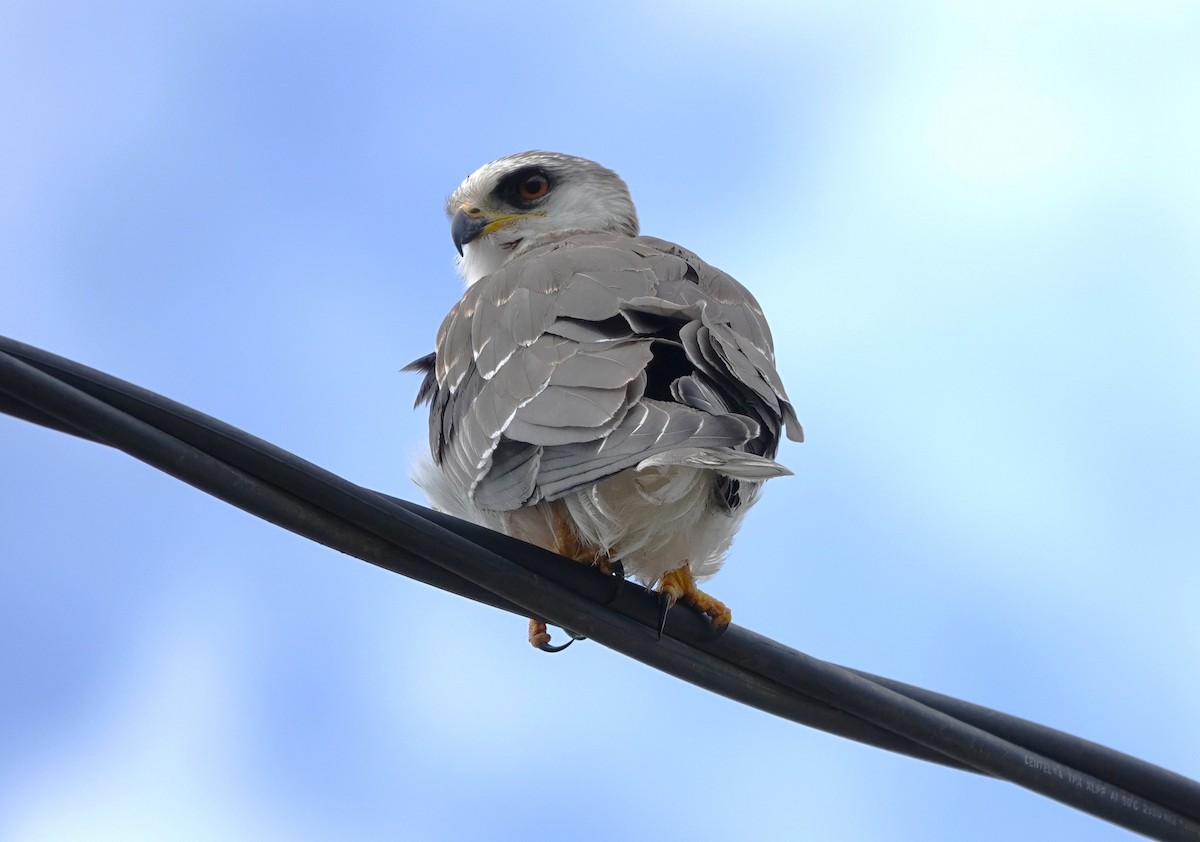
x=592, y=277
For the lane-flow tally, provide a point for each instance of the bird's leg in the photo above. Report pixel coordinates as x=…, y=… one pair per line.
x=678, y=585
x=567, y=543
x=539, y=636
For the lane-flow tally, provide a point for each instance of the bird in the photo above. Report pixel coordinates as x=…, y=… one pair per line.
x=602, y=394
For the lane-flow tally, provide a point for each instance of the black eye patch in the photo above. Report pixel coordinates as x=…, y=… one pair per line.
x=525, y=187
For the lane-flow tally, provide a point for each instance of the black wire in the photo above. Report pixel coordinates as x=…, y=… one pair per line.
x=508, y=574
x=423, y=533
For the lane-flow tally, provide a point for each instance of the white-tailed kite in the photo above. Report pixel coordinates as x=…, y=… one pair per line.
x=608, y=396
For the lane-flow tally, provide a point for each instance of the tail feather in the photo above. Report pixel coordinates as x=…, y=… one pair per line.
x=724, y=460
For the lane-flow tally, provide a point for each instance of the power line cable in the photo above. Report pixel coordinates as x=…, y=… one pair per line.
x=497, y=570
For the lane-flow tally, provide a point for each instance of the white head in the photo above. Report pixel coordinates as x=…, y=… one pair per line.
x=529, y=197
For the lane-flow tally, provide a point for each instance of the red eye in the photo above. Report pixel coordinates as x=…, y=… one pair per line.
x=534, y=187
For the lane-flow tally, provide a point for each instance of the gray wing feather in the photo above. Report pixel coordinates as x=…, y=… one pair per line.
x=604, y=365
x=515, y=466
x=572, y=406
x=651, y=428
x=584, y=357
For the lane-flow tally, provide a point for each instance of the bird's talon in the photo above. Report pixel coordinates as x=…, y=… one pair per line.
x=665, y=601
x=549, y=647
x=610, y=568
x=680, y=585
x=539, y=637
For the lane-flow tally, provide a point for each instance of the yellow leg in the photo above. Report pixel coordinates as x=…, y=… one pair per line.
x=538, y=635
x=679, y=584
x=567, y=543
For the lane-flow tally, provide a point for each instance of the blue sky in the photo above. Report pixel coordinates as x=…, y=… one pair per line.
x=974, y=227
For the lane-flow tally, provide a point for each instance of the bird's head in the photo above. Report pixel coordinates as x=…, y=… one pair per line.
x=524, y=198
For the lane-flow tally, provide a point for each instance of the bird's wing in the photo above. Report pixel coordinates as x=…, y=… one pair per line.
x=587, y=356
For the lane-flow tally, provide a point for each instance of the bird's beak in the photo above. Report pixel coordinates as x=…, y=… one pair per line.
x=467, y=225
x=471, y=223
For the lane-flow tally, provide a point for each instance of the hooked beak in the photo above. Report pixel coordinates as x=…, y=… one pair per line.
x=467, y=225
x=471, y=223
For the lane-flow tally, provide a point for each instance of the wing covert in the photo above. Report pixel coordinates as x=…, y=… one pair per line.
x=544, y=371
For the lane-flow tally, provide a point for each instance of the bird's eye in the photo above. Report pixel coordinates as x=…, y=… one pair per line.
x=533, y=187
